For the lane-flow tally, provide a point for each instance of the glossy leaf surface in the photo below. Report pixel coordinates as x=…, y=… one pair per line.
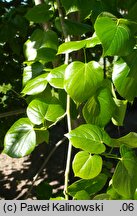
x=87, y=166
x=82, y=80
x=20, y=139
x=89, y=138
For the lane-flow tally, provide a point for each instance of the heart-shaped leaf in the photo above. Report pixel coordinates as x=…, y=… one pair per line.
x=89, y=138
x=114, y=34
x=56, y=76
x=87, y=166
x=40, y=110
x=82, y=80
x=41, y=45
x=36, y=85
x=99, y=109
x=20, y=139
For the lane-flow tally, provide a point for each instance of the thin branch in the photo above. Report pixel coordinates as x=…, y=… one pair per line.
x=44, y=164
x=68, y=162
x=12, y=113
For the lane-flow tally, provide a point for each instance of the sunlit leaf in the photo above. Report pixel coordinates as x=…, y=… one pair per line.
x=99, y=109
x=56, y=76
x=31, y=71
x=40, y=110
x=82, y=79
x=124, y=76
x=20, y=139
x=87, y=166
x=114, y=34
x=71, y=46
x=89, y=138
x=36, y=85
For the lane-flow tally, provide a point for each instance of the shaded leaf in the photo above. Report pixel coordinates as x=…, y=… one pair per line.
x=73, y=27
x=42, y=136
x=125, y=176
x=120, y=111
x=39, y=13
x=91, y=186
x=129, y=140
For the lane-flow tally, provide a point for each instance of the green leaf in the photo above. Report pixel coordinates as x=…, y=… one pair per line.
x=41, y=45
x=99, y=109
x=57, y=198
x=42, y=136
x=71, y=46
x=93, y=41
x=36, y=85
x=91, y=186
x=20, y=139
x=82, y=195
x=87, y=166
x=40, y=110
x=102, y=196
x=113, y=194
x=82, y=80
x=125, y=176
x=43, y=191
x=73, y=27
x=46, y=54
x=132, y=15
x=120, y=111
x=39, y=13
x=129, y=140
x=50, y=40
x=56, y=76
x=114, y=34
x=124, y=76
x=89, y=138
x=32, y=71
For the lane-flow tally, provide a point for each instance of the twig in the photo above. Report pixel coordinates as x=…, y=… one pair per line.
x=44, y=164
x=67, y=170
x=12, y=113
